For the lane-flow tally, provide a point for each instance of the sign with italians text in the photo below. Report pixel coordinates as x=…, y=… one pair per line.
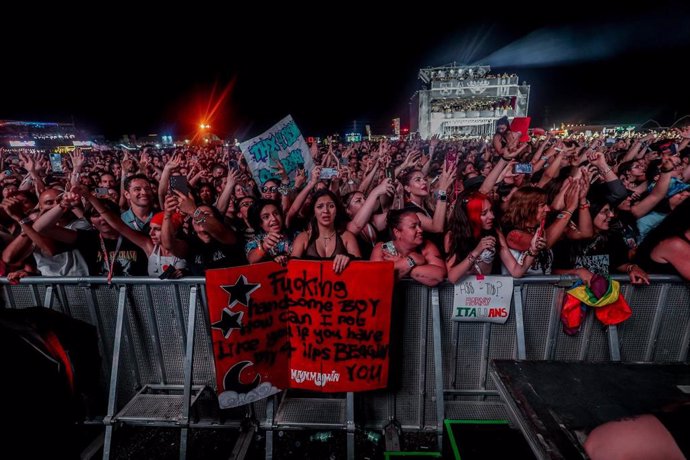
x=483, y=298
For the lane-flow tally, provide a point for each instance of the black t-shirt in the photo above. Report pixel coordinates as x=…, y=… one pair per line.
x=215, y=254
x=130, y=260
x=600, y=255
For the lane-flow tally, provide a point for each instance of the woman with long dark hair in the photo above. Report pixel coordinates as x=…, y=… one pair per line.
x=326, y=238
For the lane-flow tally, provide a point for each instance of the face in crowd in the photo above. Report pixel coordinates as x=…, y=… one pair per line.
x=409, y=231
x=271, y=219
x=325, y=210
x=355, y=203
x=269, y=191
x=416, y=184
x=139, y=193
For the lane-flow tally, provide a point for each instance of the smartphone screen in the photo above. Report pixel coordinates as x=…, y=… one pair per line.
x=523, y=168
x=179, y=183
x=56, y=163
x=328, y=173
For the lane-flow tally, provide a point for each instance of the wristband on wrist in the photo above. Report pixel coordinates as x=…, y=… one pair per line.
x=584, y=205
x=441, y=195
x=26, y=221
x=606, y=171
x=630, y=268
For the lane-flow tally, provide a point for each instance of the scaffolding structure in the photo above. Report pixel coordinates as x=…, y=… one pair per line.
x=465, y=101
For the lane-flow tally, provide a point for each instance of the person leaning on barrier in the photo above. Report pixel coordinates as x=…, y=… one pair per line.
x=105, y=250
x=412, y=255
x=52, y=258
x=326, y=237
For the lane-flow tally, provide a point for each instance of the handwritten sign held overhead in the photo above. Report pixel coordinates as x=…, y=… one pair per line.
x=483, y=298
x=282, y=142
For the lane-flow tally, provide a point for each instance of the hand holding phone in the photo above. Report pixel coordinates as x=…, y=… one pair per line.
x=523, y=168
x=179, y=183
x=328, y=173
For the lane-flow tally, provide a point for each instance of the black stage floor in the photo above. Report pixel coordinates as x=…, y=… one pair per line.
x=558, y=403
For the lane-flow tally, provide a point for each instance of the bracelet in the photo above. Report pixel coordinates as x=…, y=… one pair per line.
x=441, y=195
x=630, y=268
x=666, y=170
x=532, y=254
x=472, y=258
x=585, y=205
x=606, y=171
x=26, y=221
x=505, y=159
x=562, y=214
x=283, y=189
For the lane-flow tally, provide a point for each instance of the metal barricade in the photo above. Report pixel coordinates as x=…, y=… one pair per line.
x=439, y=367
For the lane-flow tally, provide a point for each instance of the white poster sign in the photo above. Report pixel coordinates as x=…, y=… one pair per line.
x=282, y=142
x=483, y=298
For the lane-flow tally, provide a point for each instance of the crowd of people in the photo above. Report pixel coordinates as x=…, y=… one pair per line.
x=438, y=209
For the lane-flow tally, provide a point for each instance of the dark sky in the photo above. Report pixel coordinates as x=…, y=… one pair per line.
x=125, y=73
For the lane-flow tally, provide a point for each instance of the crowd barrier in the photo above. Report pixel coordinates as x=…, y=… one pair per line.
x=158, y=365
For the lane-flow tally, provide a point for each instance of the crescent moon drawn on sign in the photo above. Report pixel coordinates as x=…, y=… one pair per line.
x=232, y=382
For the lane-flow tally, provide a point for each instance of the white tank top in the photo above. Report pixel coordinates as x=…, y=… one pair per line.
x=158, y=263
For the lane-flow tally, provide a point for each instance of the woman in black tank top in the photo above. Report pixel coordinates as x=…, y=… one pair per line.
x=326, y=238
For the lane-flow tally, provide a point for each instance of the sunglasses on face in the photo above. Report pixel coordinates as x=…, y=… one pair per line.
x=246, y=204
x=271, y=189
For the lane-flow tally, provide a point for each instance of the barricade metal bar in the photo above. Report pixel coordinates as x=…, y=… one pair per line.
x=268, y=425
x=519, y=323
x=614, y=347
x=685, y=344
x=470, y=392
x=423, y=324
x=48, y=298
x=554, y=323
x=62, y=298
x=35, y=296
x=350, y=424
x=438, y=364
x=112, y=391
x=484, y=360
x=193, y=280
x=155, y=336
x=10, y=297
x=180, y=313
x=188, y=368
x=586, y=332
x=130, y=341
x=94, y=313
x=656, y=324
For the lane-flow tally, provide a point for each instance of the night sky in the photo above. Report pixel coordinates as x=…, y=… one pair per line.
x=161, y=74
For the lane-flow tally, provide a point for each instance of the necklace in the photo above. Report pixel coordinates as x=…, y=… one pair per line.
x=328, y=238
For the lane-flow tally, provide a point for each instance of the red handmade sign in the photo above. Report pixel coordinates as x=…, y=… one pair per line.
x=340, y=325
x=250, y=341
x=300, y=327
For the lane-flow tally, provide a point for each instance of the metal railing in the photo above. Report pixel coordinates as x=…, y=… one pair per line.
x=439, y=368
